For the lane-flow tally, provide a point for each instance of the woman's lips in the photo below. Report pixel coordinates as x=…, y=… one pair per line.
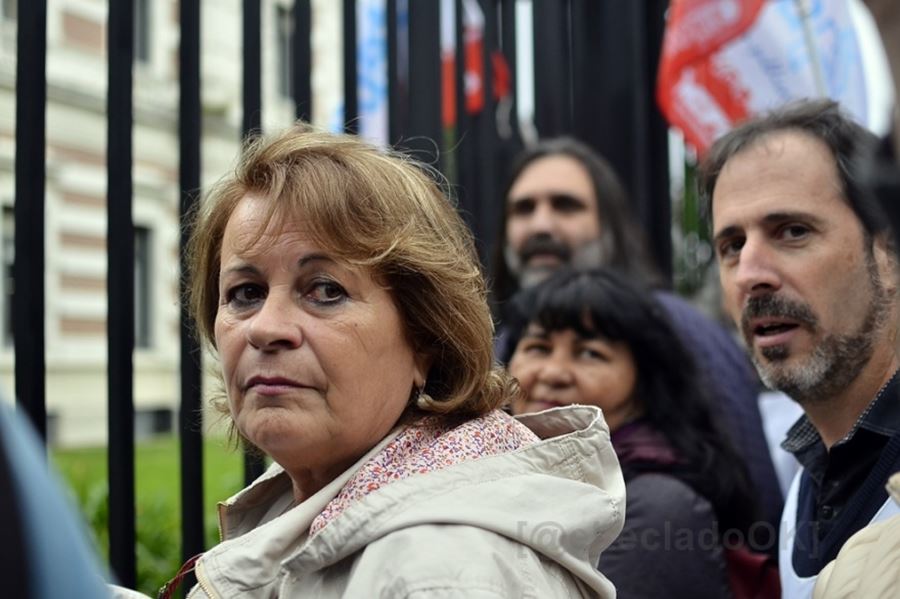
x=272, y=386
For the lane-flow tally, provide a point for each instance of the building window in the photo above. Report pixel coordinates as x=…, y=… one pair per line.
x=143, y=300
x=284, y=22
x=7, y=247
x=142, y=29
x=8, y=10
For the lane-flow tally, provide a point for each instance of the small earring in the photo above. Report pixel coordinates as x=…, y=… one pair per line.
x=422, y=399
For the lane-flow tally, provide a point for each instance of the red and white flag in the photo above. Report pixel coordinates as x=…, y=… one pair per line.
x=726, y=60
x=473, y=59
x=473, y=40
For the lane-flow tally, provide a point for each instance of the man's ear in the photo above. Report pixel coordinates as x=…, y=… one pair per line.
x=884, y=251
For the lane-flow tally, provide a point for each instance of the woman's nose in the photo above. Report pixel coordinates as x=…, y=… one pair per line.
x=555, y=372
x=276, y=325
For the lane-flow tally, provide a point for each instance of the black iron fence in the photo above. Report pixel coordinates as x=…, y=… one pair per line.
x=594, y=69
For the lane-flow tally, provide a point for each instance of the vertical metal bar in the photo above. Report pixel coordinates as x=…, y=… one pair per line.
x=615, y=50
x=552, y=68
x=488, y=183
x=120, y=292
x=658, y=214
x=463, y=134
x=251, y=126
x=424, y=131
x=396, y=88
x=351, y=93
x=302, y=60
x=190, y=415
x=465, y=146
x=252, y=83
x=28, y=268
x=508, y=46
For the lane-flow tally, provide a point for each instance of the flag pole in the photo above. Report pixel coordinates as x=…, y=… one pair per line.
x=815, y=62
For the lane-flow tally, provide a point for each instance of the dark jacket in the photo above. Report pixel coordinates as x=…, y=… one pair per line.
x=670, y=545
x=734, y=389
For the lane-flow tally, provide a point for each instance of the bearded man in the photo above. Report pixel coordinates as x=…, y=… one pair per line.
x=808, y=273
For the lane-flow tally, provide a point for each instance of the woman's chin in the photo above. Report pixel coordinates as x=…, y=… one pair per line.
x=273, y=430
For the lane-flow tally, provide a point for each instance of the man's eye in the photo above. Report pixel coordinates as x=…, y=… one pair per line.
x=730, y=248
x=521, y=207
x=245, y=295
x=326, y=292
x=568, y=203
x=795, y=231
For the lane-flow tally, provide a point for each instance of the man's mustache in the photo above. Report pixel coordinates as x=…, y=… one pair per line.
x=544, y=245
x=771, y=305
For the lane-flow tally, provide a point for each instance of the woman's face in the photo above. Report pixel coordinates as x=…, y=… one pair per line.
x=316, y=364
x=559, y=368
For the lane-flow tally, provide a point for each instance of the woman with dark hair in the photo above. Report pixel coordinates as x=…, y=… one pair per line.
x=594, y=338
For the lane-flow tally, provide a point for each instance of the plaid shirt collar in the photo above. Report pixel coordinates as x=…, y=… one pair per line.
x=881, y=416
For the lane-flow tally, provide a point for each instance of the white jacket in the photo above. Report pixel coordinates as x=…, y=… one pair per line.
x=527, y=523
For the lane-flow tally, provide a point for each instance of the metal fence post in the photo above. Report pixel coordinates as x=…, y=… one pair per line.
x=190, y=413
x=351, y=92
x=252, y=126
x=120, y=292
x=302, y=63
x=28, y=268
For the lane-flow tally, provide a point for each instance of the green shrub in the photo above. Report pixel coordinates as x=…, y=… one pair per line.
x=157, y=498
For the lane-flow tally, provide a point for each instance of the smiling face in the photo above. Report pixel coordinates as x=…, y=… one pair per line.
x=798, y=273
x=559, y=368
x=551, y=219
x=315, y=361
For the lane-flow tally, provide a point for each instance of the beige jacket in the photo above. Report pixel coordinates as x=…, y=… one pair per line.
x=868, y=564
x=529, y=523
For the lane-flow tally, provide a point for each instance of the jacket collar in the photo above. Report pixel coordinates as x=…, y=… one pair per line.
x=574, y=448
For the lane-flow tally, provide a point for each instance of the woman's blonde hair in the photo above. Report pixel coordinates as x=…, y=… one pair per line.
x=380, y=210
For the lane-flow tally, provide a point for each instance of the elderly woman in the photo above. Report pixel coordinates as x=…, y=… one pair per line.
x=341, y=293
x=594, y=338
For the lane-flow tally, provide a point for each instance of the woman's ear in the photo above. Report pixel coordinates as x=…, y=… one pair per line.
x=421, y=365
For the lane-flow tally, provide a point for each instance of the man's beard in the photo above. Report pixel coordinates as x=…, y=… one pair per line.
x=592, y=254
x=837, y=359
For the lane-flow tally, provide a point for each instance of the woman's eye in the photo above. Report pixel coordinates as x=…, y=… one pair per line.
x=591, y=354
x=245, y=295
x=326, y=292
x=536, y=349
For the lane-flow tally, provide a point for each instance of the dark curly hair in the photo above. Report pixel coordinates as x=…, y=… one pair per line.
x=603, y=303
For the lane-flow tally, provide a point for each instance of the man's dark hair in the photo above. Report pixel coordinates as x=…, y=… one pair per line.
x=627, y=243
x=824, y=120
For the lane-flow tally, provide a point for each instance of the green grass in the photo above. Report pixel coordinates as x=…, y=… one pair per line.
x=157, y=492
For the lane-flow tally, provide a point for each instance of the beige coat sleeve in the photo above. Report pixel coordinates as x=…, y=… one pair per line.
x=867, y=565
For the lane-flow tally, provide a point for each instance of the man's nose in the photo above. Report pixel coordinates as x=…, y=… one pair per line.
x=757, y=270
x=544, y=219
